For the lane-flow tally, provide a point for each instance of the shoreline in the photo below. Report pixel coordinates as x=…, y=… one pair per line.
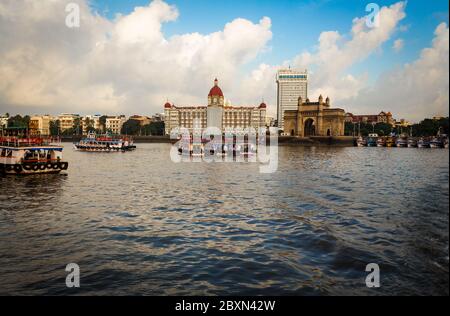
x=341, y=141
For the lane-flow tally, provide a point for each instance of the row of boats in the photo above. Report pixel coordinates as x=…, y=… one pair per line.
x=403, y=141
x=22, y=154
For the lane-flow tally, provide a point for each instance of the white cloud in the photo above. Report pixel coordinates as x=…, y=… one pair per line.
x=398, y=45
x=416, y=90
x=121, y=66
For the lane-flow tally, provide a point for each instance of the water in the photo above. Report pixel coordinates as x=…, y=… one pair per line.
x=136, y=223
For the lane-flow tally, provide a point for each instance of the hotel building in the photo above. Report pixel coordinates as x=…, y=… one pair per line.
x=291, y=85
x=216, y=114
x=114, y=123
x=40, y=124
x=67, y=121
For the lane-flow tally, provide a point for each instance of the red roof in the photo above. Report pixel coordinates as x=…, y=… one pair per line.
x=262, y=106
x=167, y=105
x=215, y=91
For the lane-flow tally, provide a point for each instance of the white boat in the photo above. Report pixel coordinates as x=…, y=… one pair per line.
x=436, y=143
x=26, y=156
x=105, y=144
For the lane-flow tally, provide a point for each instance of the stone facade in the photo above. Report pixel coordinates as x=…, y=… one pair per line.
x=314, y=119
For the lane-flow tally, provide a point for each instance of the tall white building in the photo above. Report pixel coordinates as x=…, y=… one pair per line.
x=114, y=124
x=291, y=85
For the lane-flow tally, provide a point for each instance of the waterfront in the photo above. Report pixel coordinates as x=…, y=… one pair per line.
x=136, y=223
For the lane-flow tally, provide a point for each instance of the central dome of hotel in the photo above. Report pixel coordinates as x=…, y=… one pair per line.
x=215, y=91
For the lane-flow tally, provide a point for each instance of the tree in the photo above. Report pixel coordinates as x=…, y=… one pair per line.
x=19, y=121
x=154, y=128
x=76, y=129
x=54, y=128
x=131, y=127
x=89, y=124
x=102, y=121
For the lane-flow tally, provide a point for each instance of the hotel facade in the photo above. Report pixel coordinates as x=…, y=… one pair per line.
x=216, y=114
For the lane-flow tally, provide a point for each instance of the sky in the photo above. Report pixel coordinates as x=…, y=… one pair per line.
x=132, y=56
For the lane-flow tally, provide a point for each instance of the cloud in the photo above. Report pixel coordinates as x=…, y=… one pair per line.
x=416, y=90
x=121, y=66
x=398, y=45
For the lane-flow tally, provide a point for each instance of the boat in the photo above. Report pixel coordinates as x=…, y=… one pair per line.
x=436, y=143
x=412, y=143
x=390, y=142
x=25, y=155
x=361, y=142
x=423, y=143
x=105, y=143
x=372, y=140
x=381, y=142
x=402, y=141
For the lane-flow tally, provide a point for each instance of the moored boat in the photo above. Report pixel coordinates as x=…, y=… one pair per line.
x=402, y=141
x=390, y=142
x=372, y=140
x=436, y=143
x=423, y=143
x=412, y=143
x=381, y=142
x=361, y=142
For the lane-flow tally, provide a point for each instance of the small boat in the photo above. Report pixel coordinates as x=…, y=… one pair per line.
x=105, y=144
x=390, y=142
x=372, y=140
x=402, y=141
x=423, y=143
x=30, y=155
x=361, y=142
x=412, y=143
x=381, y=142
x=436, y=143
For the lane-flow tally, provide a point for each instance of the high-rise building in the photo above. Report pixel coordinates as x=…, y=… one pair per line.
x=291, y=85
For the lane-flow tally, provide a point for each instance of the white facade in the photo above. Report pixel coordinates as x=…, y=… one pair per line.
x=114, y=124
x=216, y=114
x=3, y=122
x=66, y=121
x=40, y=124
x=291, y=85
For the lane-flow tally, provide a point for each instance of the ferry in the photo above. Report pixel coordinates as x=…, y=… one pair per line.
x=381, y=142
x=423, y=143
x=104, y=144
x=390, y=142
x=372, y=140
x=412, y=143
x=361, y=142
x=402, y=141
x=436, y=143
x=25, y=155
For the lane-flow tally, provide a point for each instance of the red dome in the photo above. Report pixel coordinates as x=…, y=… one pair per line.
x=215, y=91
x=167, y=105
x=262, y=106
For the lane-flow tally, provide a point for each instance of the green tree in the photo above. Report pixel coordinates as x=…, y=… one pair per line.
x=154, y=129
x=77, y=127
x=89, y=124
x=131, y=127
x=54, y=128
x=102, y=121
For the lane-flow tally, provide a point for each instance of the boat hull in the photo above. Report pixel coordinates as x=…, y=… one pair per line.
x=33, y=169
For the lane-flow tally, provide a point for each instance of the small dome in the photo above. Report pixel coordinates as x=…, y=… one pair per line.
x=167, y=105
x=215, y=91
x=263, y=106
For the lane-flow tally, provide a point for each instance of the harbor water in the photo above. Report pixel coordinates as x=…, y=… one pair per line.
x=138, y=224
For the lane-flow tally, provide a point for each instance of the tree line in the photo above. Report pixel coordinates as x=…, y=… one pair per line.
x=427, y=127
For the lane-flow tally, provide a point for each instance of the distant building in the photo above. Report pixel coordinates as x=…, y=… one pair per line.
x=291, y=85
x=270, y=121
x=91, y=122
x=158, y=117
x=114, y=123
x=314, y=119
x=402, y=123
x=67, y=121
x=382, y=117
x=4, y=121
x=216, y=114
x=142, y=120
x=40, y=124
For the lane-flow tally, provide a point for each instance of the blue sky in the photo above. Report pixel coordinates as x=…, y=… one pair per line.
x=296, y=25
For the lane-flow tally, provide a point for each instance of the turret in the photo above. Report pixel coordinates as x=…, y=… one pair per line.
x=327, y=101
x=300, y=101
x=320, y=99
